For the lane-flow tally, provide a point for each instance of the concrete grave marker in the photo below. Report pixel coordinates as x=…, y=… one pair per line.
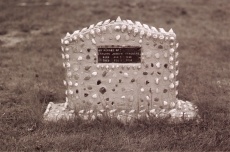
x=122, y=69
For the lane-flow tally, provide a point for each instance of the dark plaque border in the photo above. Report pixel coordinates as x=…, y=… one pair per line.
x=119, y=54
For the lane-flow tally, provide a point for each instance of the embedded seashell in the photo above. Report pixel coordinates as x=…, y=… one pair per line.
x=112, y=111
x=75, y=37
x=172, y=38
x=67, y=100
x=176, y=54
x=103, y=28
x=140, y=41
x=176, y=83
x=123, y=97
x=64, y=82
x=81, y=36
x=149, y=34
x=118, y=37
x=92, y=32
x=142, y=32
x=176, y=72
x=81, y=111
x=94, y=96
x=135, y=31
x=142, y=89
x=76, y=84
x=157, y=80
x=161, y=37
x=126, y=74
x=117, y=27
x=70, y=91
x=158, y=65
x=157, y=55
x=67, y=49
x=130, y=27
x=98, y=31
x=165, y=78
x=177, y=45
x=63, y=56
x=80, y=58
x=122, y=111
x=152, y=111
x=171, y=76
x=171, y=67
x=67, y=64
x=171, y=86
x=62, y=48
x=94, y=73
x=147, y=97
x=171, y=59
x=171, y=50
x=176, y=63
x=67, y=56
x=154, y=36
x=93, y=41
x=132, y=111
x=142, y=111
x=110, y=80
x=66, y=42
x=176, y=92
x=123, y=28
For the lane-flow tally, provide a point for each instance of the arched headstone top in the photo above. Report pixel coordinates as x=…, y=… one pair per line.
x=124, y=26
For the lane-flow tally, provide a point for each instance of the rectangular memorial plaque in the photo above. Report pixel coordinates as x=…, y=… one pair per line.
x=119, y=54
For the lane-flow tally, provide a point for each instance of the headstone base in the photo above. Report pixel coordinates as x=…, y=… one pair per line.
x=178, y=112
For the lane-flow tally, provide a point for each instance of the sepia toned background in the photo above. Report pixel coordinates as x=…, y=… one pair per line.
x=31, y=75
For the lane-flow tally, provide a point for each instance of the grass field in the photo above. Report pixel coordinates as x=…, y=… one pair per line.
x=31, y=75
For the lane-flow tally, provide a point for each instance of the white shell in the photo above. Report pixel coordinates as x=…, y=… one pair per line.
x=67, y=64
x=132, y=111
x=94, y=73
x=118, y=37
x=70, y=91
x=157, y=80
x=158, y=65
x=147, y=97
x=123, y=97
x=93, y=41
x=172, y=50
x=171, y=86
x=80, y=58
x=142, y=89
x=126, y=74
x=171, y=76
x=94, y=96
x=67, y=56
x=81, y=111
x=176, y=83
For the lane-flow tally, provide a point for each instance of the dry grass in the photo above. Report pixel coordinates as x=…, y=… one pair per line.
x=31, y=76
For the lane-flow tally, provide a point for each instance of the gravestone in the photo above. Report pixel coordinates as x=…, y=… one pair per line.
x=121, y=69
